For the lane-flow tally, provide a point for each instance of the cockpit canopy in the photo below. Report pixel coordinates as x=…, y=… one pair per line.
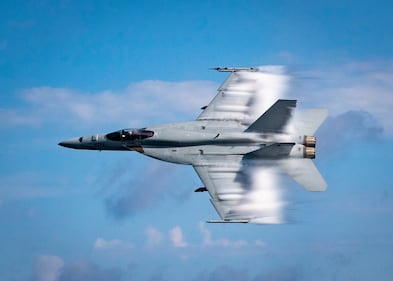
x=130, y=134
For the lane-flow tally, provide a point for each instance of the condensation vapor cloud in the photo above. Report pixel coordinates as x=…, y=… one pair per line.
x=131, y=192
x=265, y=198
x=271, y=84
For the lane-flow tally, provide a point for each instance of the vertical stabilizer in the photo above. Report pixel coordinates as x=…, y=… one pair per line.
x=308, y=121
x=303, y=171
x=275, y=119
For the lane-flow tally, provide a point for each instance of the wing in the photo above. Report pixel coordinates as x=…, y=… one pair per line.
x=242, y=195
x=245, y=94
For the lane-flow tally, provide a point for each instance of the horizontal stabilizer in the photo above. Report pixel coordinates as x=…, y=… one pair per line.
x=304, y=172
x=277, y=150
x=275, y=118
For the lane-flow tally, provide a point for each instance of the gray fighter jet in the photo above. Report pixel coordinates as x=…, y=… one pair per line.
x=244, y=141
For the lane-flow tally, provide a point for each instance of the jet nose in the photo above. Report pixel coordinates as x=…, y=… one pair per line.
x=71, y=143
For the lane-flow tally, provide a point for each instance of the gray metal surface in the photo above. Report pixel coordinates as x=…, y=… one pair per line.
x=238, y=153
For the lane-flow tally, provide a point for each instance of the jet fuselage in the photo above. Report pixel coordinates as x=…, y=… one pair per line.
x=239, y=146
x=183, y=143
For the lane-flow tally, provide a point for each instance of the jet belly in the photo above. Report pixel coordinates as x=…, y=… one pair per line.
x=185, y=143
x=189, y=155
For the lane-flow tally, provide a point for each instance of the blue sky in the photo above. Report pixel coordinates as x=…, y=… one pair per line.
x=70, y=68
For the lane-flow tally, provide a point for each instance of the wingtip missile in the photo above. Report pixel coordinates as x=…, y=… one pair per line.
x=235, y=69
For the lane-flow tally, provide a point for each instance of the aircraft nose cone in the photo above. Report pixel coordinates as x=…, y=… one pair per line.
x=72, y=143
x=63, y=143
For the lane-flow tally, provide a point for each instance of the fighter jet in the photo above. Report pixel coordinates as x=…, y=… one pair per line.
x=245, y=139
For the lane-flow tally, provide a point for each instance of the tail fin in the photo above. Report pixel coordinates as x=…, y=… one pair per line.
x=275, y=118
x=308, y=121
x=303, y=171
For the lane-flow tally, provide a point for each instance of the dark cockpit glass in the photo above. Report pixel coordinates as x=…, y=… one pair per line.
x=115, y=136
x=130, y=134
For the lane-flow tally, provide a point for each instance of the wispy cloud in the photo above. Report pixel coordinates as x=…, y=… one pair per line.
x=88, y=272
x=356, y=86
x=114, y=244
x=177, y=238
x=146, y=99
x=157, y=238
x=47, y=268
x=208, y=241
x=128, y=193
x=348, y=127
x=54, y=268
x=154, y=236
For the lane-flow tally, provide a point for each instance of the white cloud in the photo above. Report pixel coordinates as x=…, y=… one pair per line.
x=47, y=268
x=146, y=99
x=154, y=236
x=208, y=241
x=177, y=238
x=260, y=243
x=366, y=86
x=115, y=244
x=357, y=86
